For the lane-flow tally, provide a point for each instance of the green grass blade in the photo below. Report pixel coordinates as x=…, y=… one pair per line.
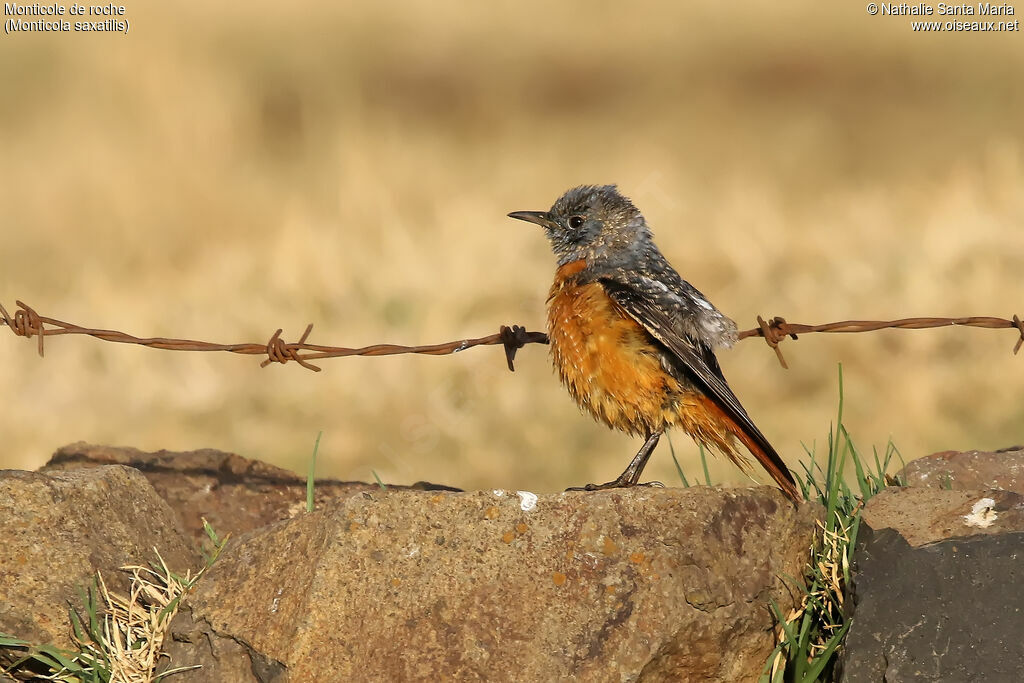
x=787, y=628
x=311, y=475
x=170, y=607
x=863, y=476
x=76, y=625
x=672, y=452
x=817, y=667
x=704, y=464
x=766, y=671
x=55, y=658
x=210, y=533
x=7, y=640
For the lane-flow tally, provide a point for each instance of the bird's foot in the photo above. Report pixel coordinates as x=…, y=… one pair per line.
x=617, y=484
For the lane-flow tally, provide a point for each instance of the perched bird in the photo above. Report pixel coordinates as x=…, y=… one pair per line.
x=633, y=341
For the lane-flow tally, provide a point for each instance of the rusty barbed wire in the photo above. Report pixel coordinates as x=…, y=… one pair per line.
x=27, y=323
x=777, y=329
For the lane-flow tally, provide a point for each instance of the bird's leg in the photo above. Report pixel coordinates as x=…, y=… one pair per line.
x=631, y=475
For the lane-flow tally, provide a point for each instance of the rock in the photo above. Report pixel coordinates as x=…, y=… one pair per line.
x=971, y=470
x=233, y=493
x=222, y=660
x=948, y=611
x=933, y=596
x=641, y=584
x=926, y=515
x=60, y=528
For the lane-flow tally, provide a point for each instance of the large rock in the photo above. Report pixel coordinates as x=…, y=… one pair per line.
x=642, y=584
x=934, y=588
x=948, y=611
x=971, y=470
x=58, y=529
x=234, y=494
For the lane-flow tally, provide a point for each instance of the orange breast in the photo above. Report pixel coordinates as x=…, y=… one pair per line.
x=606, y=359
x=612, y=369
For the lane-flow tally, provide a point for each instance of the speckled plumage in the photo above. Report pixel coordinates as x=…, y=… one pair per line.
x=632, y=340
x=617, y=245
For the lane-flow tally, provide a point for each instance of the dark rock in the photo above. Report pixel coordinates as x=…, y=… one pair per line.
x=971, y=470
x=934, y=595
x=641, y=584
x=949, y=611
x=60, y=528
x=221, y=659
x=233, y=493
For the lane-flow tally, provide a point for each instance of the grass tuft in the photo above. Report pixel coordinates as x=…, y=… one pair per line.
x=119, y=637
x=810, y=636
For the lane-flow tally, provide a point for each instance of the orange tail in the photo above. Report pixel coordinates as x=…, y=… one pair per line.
x=771, y=462
x=707, y=422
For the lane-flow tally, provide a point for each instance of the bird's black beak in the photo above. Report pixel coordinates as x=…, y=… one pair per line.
x=541, y=218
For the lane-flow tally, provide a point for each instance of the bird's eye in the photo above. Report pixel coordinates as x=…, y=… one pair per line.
x=575, y=222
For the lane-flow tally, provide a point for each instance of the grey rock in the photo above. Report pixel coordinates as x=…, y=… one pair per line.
x=934, y=595
x=948, y=611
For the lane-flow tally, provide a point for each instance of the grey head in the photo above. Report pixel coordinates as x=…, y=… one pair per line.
x=596, y=223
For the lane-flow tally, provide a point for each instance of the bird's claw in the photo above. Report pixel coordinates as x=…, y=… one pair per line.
x=514, y=338
x=617, y=484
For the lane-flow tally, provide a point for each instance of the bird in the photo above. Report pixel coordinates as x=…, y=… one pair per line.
x=633, y=342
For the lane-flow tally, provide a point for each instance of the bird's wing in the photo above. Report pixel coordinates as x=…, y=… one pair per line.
x=696, y=356
x=697, y=361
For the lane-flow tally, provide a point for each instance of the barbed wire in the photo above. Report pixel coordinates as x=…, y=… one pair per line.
x=27, y=323
x=777, y=329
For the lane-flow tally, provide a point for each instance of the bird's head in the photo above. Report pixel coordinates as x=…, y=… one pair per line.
x=592, y=222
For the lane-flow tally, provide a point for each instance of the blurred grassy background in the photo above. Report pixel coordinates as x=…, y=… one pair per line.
x=227, y=169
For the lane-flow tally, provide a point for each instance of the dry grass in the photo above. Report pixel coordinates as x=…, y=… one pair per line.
x=135, y=625
x=829, y=562
x=119, y=637
x=225, y=170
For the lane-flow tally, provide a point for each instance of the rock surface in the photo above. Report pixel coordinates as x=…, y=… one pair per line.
x=234, y=494
x=645, y=584
x=970, y=470
x=934, y=588
x=59, y=528
x=949, y=611
x=398, y=584
x=923, y=515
